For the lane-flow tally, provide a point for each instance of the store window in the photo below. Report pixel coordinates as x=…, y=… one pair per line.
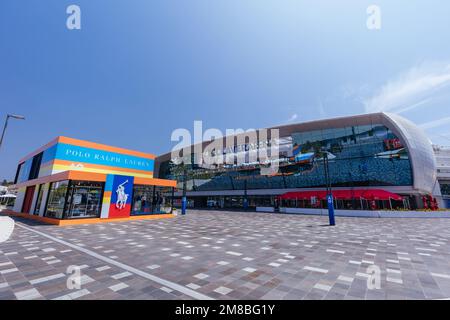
x=56, y=199
x=151, y=200
x=37, y=207
x=84, y=199
x=74, y=199
x=142, y=200
x=162, y=200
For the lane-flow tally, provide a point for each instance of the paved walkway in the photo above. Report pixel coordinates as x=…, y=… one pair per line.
x=229, y=255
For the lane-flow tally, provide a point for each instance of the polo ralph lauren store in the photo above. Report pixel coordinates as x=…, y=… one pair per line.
x=75, y=179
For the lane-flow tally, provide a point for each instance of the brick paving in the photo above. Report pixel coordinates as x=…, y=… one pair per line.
x=229, y=255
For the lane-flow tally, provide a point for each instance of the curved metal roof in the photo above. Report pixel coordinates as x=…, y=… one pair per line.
x=423, y=160
x=420, y=149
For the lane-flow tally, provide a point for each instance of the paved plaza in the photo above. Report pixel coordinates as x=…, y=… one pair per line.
x=229, y=255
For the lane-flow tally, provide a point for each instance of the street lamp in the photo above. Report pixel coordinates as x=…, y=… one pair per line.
x=14, y=116
x=184, y=198
x=330, y=201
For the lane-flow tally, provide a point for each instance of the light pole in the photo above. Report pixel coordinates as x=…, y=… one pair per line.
x=184, y=198
x=245, y=202
x=330, y=201
x=14, y=116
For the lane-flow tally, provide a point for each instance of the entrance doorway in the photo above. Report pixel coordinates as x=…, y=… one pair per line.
x=29, y=193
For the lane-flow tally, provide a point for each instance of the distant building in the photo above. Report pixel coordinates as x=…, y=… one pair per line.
x=442, y=154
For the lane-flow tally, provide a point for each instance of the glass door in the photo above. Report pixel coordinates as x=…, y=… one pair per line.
x=84, y=199
x=78, y=201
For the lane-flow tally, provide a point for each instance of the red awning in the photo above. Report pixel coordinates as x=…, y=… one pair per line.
x=347, y=194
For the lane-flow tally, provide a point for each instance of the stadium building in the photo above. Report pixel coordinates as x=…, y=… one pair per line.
x=375, y=161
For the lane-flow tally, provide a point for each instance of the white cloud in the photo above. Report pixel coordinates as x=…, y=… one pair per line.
x=415, y=105
x=293, y=117
x=435, y=123
x=413, y=88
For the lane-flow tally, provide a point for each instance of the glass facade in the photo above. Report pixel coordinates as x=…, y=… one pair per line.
x=74, y=199
x=151, y=200
x=445, y=189
x=230, y=202
x=35, y=166
x=142, y=200
x=56, y=199
x=350, y=204
x=358, y=156
x=29, y=169
x=24, y=171
x=37, y=207
x=227, y=202
x=84, y=199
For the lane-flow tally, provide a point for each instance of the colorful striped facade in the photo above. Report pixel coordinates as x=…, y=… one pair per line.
x=115, y=170
x=63, y=154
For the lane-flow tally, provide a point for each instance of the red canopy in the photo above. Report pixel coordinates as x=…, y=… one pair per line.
x=346, y=194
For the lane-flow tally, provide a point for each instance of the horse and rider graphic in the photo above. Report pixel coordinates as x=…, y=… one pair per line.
x=122, y=197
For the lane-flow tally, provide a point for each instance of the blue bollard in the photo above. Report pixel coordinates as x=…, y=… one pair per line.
x=330, y=209
x=183, y=205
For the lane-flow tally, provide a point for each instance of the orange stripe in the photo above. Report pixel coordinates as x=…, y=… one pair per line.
x=71, y=222
x=94, y=145
x=87, y=176
x=100, y=166
x=99, y=220
x=32, y=217
x=106, y=194
x=155, y=182
x=92, y=176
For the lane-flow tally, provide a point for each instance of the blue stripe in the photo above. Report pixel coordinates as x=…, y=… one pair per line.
x=49, y=154
x=88, y=155
x=109, y=182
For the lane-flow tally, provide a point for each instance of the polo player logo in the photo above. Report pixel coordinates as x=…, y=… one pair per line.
x=122, y=197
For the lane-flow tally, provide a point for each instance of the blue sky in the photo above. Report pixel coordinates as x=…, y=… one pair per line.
x=139, y=69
